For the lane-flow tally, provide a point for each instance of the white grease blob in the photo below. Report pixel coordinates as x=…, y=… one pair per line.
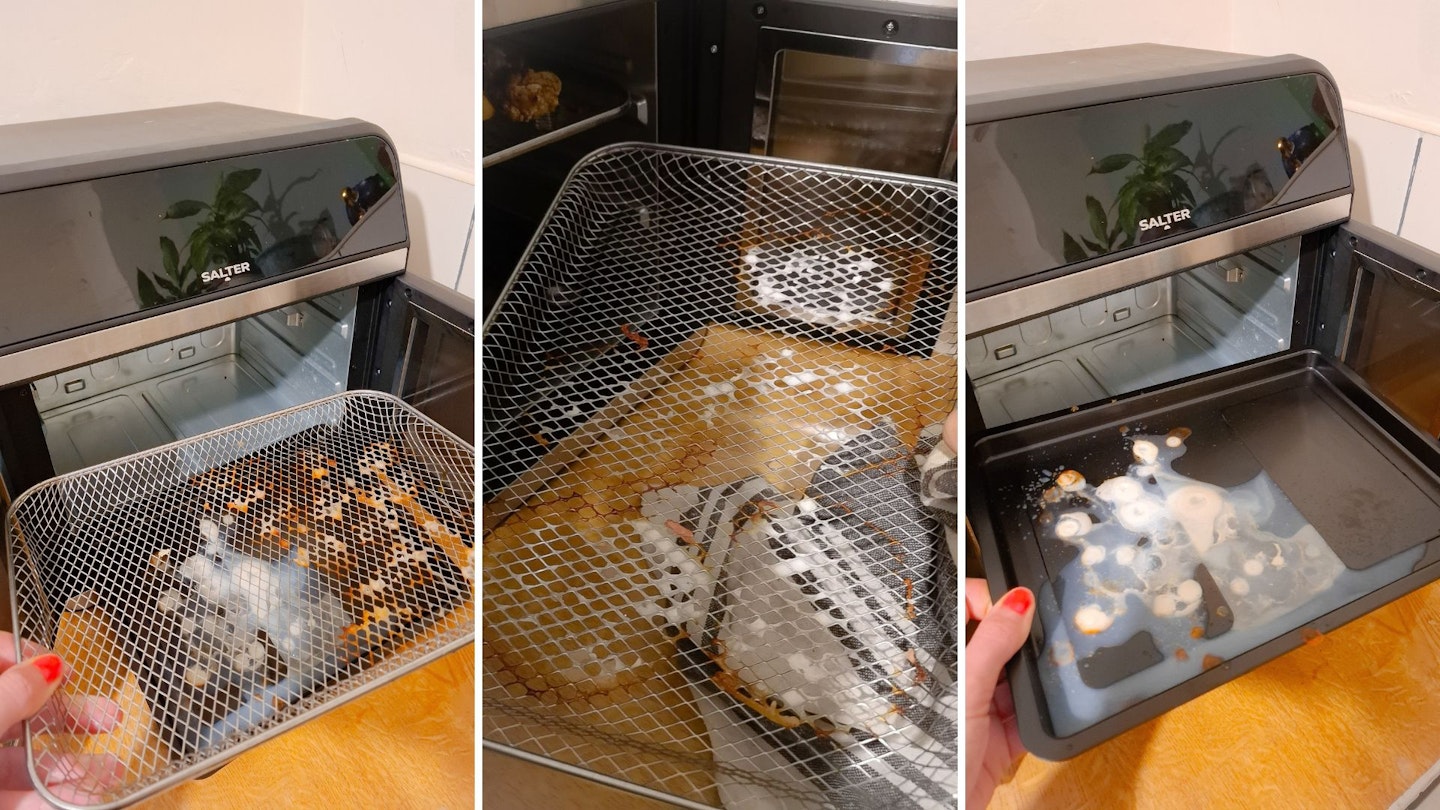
x=1120, y=490
x=1075, y=524
x=1062, y=652
x=1091, y=619
x=1142, y=516
x=1189, y=591
x=1196, y=507
x=1148, y=532
x=1145, y=451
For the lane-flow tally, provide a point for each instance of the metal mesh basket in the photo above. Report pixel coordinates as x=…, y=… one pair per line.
x=707, y=571
x=225, y=588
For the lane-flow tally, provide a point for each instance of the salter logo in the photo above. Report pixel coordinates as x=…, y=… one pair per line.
x=1165, y=222
x=224, y=272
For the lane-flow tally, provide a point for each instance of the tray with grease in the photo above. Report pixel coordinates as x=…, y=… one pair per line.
x=709, y=573
x=225, y=588
x=1180, y=538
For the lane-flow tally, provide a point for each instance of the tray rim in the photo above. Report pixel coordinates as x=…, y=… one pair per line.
x=934, y=183
x=169, y=447
x=1032, y=716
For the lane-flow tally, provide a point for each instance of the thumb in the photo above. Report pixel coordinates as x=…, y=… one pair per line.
x=25, y=687
x=1001, y=634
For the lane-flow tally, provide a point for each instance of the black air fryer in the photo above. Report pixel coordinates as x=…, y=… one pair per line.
x=1201, y=421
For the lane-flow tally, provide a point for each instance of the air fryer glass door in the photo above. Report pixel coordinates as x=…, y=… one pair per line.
x=855, y=102
x=1393, y=328
x=426, y=353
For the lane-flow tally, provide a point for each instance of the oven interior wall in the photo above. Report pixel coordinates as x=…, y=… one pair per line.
x=1206, y=318
x=189, y=385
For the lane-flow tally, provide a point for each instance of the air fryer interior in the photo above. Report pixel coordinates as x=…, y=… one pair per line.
x=189, y=385
x=1209, y=317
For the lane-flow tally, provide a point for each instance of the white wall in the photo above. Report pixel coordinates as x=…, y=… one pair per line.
x=995, y=28
x=1386, y=66
x=1380, y=53
x=69, y=57
x=407, y=67
x=410, y=68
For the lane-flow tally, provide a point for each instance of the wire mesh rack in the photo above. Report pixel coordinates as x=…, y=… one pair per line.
x=224, y=588
x=708, y=572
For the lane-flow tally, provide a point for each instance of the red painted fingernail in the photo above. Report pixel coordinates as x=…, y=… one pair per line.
x=50, y=666
x=1019, y=600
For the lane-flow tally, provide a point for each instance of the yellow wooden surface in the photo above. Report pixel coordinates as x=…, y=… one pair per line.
x=409, y=744
x=510, y=783
x=1350, y=720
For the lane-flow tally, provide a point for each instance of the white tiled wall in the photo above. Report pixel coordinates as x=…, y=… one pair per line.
x=439, y=210
x=1382, y=157
x=1397, y=178
x=409, y=68
x=1422, y=213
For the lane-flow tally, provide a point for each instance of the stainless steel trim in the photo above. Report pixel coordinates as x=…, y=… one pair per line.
x=560, y=134
x=1351, y=313
x=61, y=355
x=1003, y=309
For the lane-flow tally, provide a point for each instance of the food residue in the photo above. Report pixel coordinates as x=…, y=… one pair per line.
x=631, y=334
x=1090, y=620
x=1070, y=480
x=531, y=95
x=1211, y=661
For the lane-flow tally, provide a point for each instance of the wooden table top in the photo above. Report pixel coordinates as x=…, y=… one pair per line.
x=1350, y=720
x=408, y=744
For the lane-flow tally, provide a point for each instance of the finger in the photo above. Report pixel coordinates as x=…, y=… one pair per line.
x=1003, y=701
x=1012, y=740
x=79, y=773
x=977, y=599
x=90, y=714
x=951, y=432
x=23, y=800
x=29, y=649
x=26, y=686
x=90, y=773
x=14, y=769
x=1001, y=634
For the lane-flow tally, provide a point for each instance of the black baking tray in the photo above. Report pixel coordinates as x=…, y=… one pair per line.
x=1365, y=479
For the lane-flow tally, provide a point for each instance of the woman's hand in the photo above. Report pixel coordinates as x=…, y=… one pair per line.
x=992, y=742
x=25, y=690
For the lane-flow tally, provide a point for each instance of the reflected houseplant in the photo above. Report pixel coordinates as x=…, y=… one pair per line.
x=1157, y=185
x=227, y=235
